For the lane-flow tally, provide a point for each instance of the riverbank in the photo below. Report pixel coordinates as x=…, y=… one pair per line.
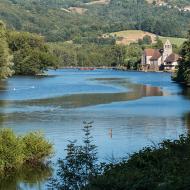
x=113, y=68
x=157, y=71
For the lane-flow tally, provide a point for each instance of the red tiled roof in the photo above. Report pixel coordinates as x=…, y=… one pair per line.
x=154, y=53
x=149, y=52
x=172, y=58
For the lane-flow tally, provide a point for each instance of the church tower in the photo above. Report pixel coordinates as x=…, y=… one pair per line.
x=167, y=49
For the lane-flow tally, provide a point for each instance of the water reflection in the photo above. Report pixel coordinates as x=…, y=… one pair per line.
x=187, y=121
x=186, y=92
x=136, y=91
x=3, y=85
x=27, y=178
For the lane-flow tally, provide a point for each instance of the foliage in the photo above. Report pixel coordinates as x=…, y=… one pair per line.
x=15, y=151
x=133, y=56
x=159, y=44
x=96, y=55
x=31, y=55
x=146, y=40
x=99, y=40
x=78, y=166
x=11, y=151
x=183, y=72
x=165, y=167
x=43, y=17
x=36, y=148
x=5, y=57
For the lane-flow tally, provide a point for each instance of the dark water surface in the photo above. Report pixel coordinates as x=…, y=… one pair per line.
x=140, y=108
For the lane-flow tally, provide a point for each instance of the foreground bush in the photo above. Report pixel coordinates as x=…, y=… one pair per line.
x=36, y=148
x=162, y=167
x=166, y=167
x=15, y=151
x=11, y=150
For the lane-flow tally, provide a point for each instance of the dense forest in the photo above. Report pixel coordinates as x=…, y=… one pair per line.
x=54, y=19
x=97, y=55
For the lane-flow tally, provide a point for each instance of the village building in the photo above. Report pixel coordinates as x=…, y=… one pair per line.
x=159, y=59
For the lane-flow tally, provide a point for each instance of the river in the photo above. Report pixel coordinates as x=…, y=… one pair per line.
x=139, y=108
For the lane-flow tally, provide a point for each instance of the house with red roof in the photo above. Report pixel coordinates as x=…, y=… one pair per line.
x=159, y=59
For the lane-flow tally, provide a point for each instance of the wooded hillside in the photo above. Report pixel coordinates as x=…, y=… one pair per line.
x=60, y=20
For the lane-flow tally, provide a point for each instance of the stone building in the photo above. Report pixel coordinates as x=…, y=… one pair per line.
x=159, y=59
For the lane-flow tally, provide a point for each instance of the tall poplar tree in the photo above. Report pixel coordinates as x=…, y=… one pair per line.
x=5, y=57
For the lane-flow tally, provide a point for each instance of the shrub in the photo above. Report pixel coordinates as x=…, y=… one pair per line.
x=16, y=151
x=36, y=148
x=11, y=150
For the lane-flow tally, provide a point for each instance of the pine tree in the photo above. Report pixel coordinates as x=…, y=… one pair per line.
x=5, y=57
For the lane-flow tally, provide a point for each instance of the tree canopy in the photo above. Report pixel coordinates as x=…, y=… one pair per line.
x=5, y=56
x=183, y=73
x=23, y=53
x=30, y=53
x=57, y=22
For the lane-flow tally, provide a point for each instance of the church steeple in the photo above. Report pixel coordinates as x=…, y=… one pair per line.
x=167, y=49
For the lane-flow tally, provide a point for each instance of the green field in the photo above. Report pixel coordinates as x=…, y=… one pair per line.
x=134, y=35
x=173, y=40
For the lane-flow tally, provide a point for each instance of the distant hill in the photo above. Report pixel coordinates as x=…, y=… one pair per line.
x=60, y=20
x=130, y=36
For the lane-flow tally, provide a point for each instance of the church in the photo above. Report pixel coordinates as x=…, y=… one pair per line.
x=159, y=59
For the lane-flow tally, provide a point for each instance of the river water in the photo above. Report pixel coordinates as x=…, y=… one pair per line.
x=139, y=108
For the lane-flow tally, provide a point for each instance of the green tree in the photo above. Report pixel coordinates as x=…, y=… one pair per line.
x=5, y=56
x=159, y=44
x=133, y=56
x=78, y=166
x=31, y=55
x=183, y=72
